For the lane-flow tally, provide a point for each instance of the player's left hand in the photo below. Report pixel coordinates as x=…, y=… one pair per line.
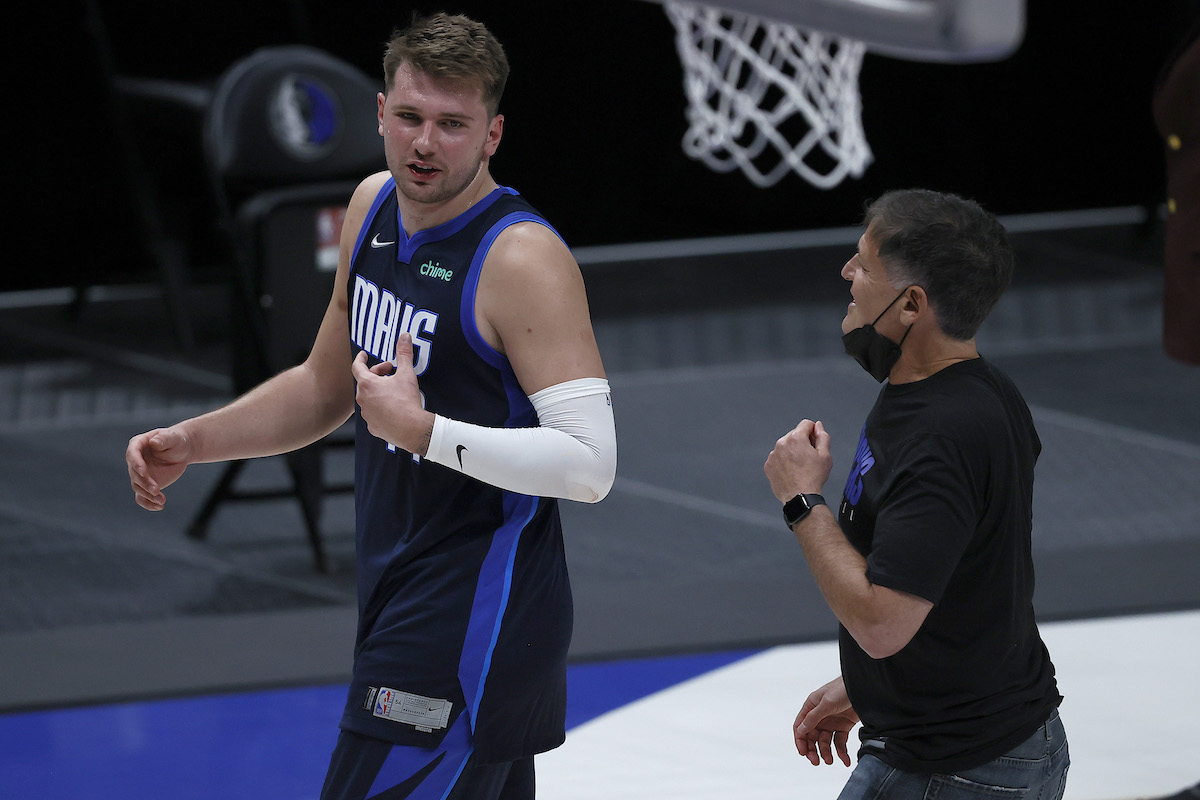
x=800, y=462
x=390, y=399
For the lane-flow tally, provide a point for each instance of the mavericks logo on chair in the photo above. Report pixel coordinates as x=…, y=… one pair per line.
x=305, y=117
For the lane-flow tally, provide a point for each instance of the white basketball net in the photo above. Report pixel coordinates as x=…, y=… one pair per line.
x=745, y=78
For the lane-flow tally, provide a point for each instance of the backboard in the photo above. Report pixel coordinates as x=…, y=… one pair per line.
x=918, y=30
x=772, y=85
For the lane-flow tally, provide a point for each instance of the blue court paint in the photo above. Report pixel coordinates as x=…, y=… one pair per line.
x=595, y=689
x=254, y=745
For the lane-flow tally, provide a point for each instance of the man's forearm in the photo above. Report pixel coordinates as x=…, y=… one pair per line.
x=839, y=569
x=285, y=413
x=880, y=619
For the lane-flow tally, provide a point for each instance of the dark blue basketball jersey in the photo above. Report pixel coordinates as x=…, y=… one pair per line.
x=464, y=601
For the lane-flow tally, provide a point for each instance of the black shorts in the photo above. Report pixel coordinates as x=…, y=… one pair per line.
x=363, y=767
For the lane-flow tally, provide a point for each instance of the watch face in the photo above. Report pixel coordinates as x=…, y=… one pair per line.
x=799, y=506
x=796, y=509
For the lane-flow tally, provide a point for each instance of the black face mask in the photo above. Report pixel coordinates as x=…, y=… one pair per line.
x=873, y=351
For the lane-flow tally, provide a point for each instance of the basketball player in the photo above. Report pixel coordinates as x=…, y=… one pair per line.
x=459, y=335
x=927, y=562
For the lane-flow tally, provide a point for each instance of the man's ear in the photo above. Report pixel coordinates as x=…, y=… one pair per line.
x=914, y=306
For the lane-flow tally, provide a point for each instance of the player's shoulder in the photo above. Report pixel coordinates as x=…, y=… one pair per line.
x=529, y=244
x=368, y=189
x=362, y=200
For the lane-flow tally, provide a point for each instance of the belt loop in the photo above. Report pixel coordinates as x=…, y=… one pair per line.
x=1050, y=721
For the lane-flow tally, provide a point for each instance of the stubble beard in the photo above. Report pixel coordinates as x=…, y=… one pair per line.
x=453, y=184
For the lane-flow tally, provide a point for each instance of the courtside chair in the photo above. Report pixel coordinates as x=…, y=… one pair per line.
x=288, y=134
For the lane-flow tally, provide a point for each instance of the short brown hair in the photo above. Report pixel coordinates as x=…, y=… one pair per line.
x=451, y=47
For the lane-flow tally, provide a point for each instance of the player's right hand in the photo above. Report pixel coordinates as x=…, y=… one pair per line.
x=801, y=461
x=155, y=460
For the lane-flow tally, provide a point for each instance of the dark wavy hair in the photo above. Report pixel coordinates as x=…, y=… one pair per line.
x=950, y=247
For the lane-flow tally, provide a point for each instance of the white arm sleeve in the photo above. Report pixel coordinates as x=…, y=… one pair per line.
x=572, y=454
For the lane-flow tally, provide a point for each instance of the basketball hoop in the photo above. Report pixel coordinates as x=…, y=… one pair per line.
x=754, y=86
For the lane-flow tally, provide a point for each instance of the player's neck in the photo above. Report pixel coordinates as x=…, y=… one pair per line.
x=418, y=216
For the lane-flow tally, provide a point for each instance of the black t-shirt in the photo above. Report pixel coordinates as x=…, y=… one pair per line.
x=940, y=503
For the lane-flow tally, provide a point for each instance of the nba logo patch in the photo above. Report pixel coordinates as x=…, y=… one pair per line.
x=383, y=702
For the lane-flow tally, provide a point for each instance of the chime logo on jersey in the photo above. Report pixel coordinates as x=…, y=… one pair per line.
x=434, y=269
x=864, y=459
x=378, y=317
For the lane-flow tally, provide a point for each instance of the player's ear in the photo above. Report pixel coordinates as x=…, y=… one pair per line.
x=495, y=132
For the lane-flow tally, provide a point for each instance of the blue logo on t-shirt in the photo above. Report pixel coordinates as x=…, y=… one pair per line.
x=863, y=461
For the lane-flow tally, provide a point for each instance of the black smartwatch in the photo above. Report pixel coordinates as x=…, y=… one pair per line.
x=799, y=507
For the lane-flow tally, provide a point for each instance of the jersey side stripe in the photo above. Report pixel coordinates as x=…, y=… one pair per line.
x=491, y=599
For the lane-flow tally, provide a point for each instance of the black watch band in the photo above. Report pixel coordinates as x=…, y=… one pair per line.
x=799, y=507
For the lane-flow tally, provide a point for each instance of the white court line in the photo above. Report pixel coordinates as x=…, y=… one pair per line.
x=183, y=552
x=93, y=349
x=738, y=371
x=142, y=417
x=1130, y=690
x=1107, y=430
x=696, y=503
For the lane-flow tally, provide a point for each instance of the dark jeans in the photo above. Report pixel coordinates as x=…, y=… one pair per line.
x=1036, y=769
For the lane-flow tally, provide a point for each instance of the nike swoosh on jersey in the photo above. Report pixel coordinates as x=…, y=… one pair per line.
x=377, y=244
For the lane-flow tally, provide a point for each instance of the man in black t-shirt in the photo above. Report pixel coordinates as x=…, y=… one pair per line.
x=928, y=564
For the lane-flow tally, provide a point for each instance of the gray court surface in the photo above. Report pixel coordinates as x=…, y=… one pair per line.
x=711, y=356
